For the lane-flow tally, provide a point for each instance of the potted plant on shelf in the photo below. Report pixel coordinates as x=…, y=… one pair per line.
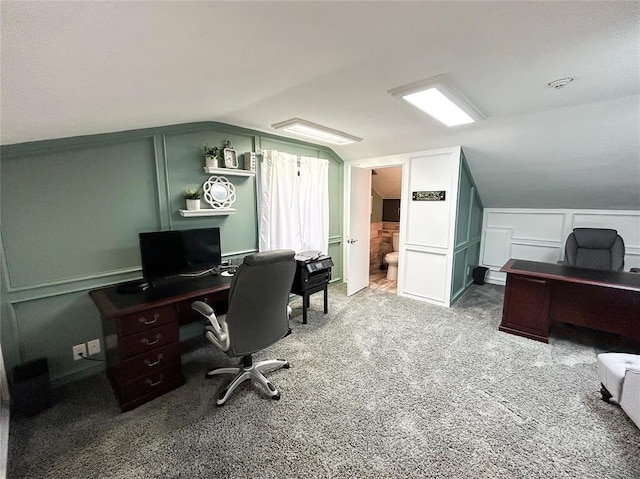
x=211, y=157
x=192, y=196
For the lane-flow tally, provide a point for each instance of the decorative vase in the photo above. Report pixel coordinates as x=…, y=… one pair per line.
x=211, y=161
x=193, y=204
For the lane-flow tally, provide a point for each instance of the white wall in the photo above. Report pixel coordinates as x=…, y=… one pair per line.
x=540, y=235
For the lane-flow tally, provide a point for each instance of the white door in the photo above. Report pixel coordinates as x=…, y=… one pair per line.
x=359, y=227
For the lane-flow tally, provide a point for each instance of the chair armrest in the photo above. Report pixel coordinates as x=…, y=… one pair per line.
x=203, y=308
x=218, y=332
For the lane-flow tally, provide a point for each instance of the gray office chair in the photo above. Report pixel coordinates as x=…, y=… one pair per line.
x=257, y=317
x=595, y=248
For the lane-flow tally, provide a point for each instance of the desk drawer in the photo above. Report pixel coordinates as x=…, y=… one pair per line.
x=144, y=320
x=156, y=382
x=151, y=361
x=148, y=340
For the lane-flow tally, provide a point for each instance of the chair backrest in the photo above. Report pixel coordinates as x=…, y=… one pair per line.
x=595, y=248
x=258, y=298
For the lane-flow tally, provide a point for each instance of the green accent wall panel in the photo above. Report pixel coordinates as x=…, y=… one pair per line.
x=459, y=266
x=50, y=327
x=475, y=228
x=72, y=209
x=336, y=203
x=466, y=255
x=464, y=209
x=73, y=213
x=185, y=162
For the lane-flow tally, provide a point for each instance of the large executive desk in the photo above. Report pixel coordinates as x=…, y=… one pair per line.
x=141, y=332
x=538, y=293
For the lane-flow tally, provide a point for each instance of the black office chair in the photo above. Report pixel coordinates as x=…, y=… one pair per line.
x=257, y=317
x=595, y=248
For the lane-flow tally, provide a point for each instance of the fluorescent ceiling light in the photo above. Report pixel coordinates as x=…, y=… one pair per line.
x=439, y=100
x=315, y=131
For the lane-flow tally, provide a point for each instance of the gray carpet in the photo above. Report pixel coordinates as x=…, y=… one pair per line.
x=380, y=387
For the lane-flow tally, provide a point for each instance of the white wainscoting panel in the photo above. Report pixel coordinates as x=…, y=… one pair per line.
x=498, y=247
x=537, y=225
x=423, y=276
x=431, y=173
x=540, y=235
x=545, y=254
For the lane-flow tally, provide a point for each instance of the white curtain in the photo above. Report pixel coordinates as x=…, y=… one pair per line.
x=314, y=204
x=294, y=208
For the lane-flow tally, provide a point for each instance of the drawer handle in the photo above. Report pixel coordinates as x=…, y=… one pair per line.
x=152, y=384
x=146, y=342
x=155, y=363
x=143, y=320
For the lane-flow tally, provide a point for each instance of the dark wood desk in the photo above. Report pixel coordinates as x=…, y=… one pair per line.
x=538, y=293
x=141, y=333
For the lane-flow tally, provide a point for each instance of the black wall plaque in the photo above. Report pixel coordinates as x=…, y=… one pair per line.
x=428, y=196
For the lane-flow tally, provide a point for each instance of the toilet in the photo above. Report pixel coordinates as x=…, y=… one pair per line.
x=392, y=259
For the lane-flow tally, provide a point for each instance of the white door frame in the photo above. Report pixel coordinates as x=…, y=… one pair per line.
x=371, y=163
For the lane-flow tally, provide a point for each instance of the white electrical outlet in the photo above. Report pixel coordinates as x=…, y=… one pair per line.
x=93, y=346
x=79, y=350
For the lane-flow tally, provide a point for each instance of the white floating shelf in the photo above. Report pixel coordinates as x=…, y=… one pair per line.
x=228, y=171
x=208, y=212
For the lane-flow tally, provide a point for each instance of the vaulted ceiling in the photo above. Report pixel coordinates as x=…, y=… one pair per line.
x=71, y=68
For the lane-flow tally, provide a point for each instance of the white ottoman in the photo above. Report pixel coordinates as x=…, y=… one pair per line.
x=620, y=377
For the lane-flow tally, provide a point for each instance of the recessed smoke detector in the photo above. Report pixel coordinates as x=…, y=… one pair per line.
x=561, y=83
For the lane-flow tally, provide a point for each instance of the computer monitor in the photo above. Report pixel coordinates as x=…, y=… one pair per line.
x=171, y=253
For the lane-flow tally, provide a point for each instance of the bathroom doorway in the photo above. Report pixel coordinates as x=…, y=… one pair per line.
x=386, y=197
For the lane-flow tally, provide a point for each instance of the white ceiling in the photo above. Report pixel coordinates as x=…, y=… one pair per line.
x=71, y=68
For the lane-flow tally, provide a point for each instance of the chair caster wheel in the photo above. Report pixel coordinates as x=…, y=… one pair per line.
x=276, y=397
x=286, y=366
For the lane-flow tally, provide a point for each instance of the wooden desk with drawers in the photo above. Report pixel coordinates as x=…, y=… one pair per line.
x=141, y=333
x=537, y=294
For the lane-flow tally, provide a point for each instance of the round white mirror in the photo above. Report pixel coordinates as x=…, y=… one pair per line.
x=219, y=192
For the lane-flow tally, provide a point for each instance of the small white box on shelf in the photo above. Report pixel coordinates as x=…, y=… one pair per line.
x=250, y=161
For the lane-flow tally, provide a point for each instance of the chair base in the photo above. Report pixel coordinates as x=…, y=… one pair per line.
x=248, y=370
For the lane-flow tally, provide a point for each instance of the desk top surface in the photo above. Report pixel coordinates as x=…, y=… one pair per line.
x=112, y=303
x=562, y=272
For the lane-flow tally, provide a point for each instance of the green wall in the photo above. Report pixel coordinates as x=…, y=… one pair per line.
x=71, y=212
x=466, y=253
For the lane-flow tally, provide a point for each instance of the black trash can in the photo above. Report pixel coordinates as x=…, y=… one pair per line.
x=479, y=273
x=31, y=389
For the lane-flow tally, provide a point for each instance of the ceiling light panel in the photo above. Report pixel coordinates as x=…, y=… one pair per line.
x=317, y=132
x=438, y=99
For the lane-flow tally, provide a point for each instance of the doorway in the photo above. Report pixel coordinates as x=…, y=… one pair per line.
x=386, y=198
